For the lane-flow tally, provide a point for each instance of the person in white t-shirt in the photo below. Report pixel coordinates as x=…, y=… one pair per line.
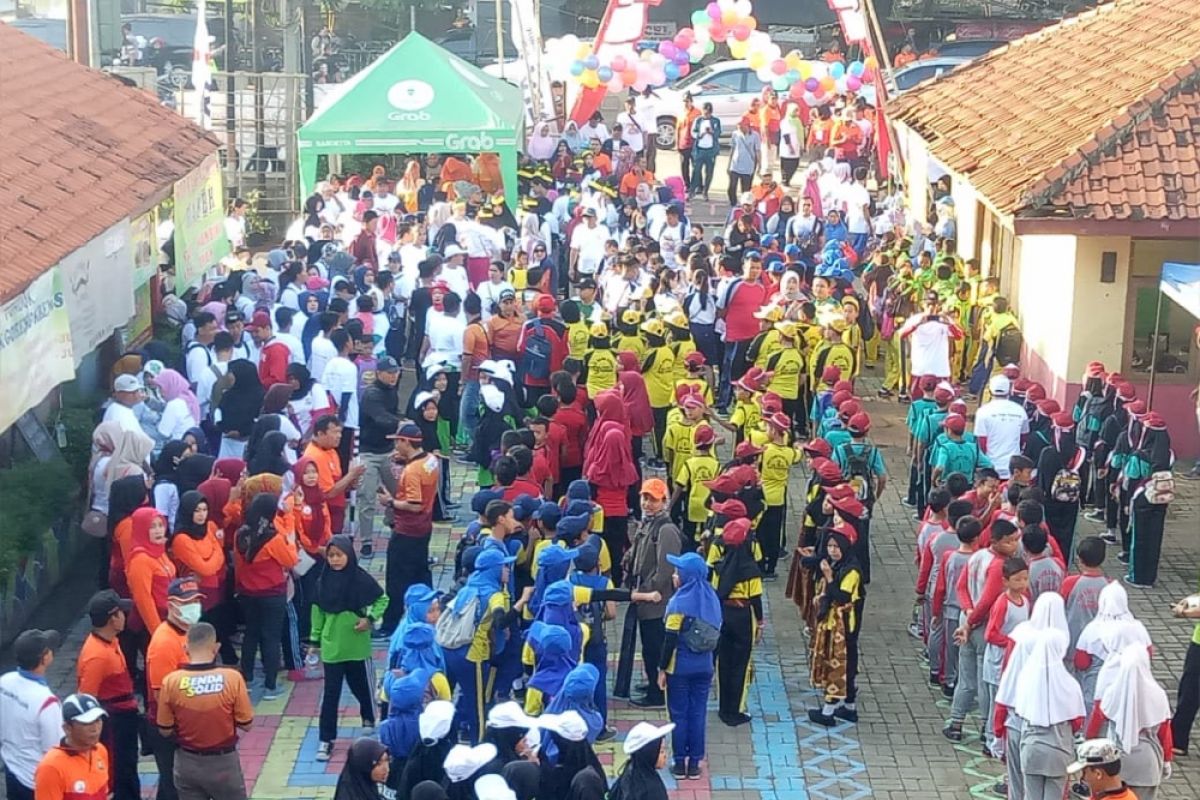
x=587, y=245
x=341, y=378
x=1001, y=425
x=31, y=720
x=206, y=381
x=857, y=200
x=631, y=128
x=322, y=349
x=235, y=224
x=127, y=393
x=594, y=128
x=284, y=324
x=489, y=291
x=930, y=333
x=454, y=270
x=444, y=332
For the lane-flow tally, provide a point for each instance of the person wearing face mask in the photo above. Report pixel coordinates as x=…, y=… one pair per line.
x=168, y=652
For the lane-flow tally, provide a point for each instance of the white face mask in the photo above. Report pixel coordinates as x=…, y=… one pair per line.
x=190, y=613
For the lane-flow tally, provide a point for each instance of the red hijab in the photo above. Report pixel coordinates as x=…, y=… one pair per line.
x=637, y=402
x=609, y=458
x=140, y=538
x=216, y=491
x=230, y=469
x=314, y=502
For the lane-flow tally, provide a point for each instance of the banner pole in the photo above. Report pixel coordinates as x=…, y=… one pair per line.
x=1154, y=346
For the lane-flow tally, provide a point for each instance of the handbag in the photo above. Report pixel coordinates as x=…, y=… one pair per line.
x=95, y=524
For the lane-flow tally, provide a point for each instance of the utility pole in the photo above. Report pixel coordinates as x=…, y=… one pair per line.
x=79, y=32
x=230, y=87
x=500, y=34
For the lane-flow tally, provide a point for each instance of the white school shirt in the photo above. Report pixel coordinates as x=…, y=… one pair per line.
x=30, y=724
x=930, y=348
x=854, y=196
x=456, y=279
x=341, y=378
x=295, y=348
x=1002, y=422
x=206, y=381
x=445, y=338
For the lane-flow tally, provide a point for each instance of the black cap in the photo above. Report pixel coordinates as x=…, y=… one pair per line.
x=587, y=283
x=408, y=431
x=387, y=364
x=104, y=604
x=82, y=708
x=32, y=644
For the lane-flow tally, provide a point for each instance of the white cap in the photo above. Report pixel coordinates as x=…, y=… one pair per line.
x=1000, y=386
x=747, y=199
x=452, y=251
x=463, y=761
x=422, y=398
x=127, y=383
x=643, y=734
x=509, y=715
x=435, y=721
x=569, y=725
x=433, y=365
x=1095, y=753
x=493, y=787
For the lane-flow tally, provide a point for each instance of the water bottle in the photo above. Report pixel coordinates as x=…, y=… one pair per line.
x=312, y=665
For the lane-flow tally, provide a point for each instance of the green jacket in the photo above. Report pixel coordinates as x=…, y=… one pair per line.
x=335, y=634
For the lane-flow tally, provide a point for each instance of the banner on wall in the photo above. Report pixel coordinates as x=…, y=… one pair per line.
x=139, y=327
x=98, y=285
x=1181, y=283
x=143, y=245
x=35, y=346
x=199, y=230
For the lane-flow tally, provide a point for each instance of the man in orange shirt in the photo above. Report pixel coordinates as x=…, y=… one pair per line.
x=639, y=174
x=684, y=139
x=76, y=768
x=202, y=707
x=323, y=449
x=412, y=522
x=905, y=57
x=166, y=654
x=101, y=671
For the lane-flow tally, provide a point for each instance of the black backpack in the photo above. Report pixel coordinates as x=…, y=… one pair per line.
x=858, y=472
x=1008, y=345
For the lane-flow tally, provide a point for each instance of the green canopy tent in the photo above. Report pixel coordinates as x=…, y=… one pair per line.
x=418, y=98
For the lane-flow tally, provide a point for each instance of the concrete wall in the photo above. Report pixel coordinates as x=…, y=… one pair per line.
x=1044, y=298
x=1097, y=326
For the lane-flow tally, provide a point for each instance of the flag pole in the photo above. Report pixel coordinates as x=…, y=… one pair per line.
x=1154, y=346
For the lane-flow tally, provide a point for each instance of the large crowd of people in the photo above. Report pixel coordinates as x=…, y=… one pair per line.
x=588, y=354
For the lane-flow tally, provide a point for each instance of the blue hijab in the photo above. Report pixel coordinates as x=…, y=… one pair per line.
x=695, y=597
x=483, y=582
x=553, y=563
x=578, y=693
x=401, y=731
x=421, y=651
x=553, y=658
x=417, y=600
x=558, y=608
x=312, y=325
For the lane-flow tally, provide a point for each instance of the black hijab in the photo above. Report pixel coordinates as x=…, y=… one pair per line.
x=348, y=589
x=588, y=784
x=303, y=377
x=573, y=757
x=262, y=426
x=425, y=765
x=259, y=527
x=523, y=778
x=355, y=782
x=639, y=778
x=506, y=740
x=428, y=790
x=841, y=568
x=268, y=456
x=1155, y=449
x=168, y=461
x=125, y=495
x=184, y=526
x=241, y=402
x=736, y=564
x=193, y=471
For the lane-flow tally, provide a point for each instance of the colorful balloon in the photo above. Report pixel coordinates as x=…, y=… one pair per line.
x=605, y=74
x=856, y=68
x=740, y=32
x=737, y=49
x=700, y=18
x=812, y=84
x=779, y=83
x=618, y=63
x=828, y=83
x=757, y=60
x=577, y=68
x=796, y=92
x=713, y=10
x=583, y=51
x=684, y=69
x=853, y=83
x=779, y=66
x=671, y=71
x=718, y=31
x=870, y=63
x=591, y=62
x=589, y=79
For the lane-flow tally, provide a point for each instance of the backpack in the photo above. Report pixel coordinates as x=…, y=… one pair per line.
x=858, y=472
x=699, y=636
x=1008, y=345
x=1065, y=486
x=536, y=361
x=1160, y=488
x=456, y=627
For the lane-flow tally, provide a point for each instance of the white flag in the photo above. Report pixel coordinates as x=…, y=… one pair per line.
x=202, y=75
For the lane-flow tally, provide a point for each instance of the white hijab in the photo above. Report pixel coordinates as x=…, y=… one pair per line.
x=1049, y=694
x=1048, y=617
x=1132, y=700
x=542, y=143
x=1049, y=613
x=1114, y=625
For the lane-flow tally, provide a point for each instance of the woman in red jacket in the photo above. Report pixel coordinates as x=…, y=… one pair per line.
x=198, y=549
x=148, y=569
x=314, y=530
x=264, y=553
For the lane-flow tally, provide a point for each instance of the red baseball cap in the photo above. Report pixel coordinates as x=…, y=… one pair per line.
x=842, y=490
x=1036, y=392
x=859, y=423
x=746, y=449
x=1155, y=422
x=850, y=505
x=735, y=531
x=1136, y=407
x=546, y=304
x=1063, y=420
x=770, y=403
x=694, y=359
x=693, y=400
x=955, y=423
x=704, y=436
x=840, y=397
x=848, y=409
x=958, y=406
x=942, y=395
x=843, y=386
x=731, y=508
x=1048, y=407
x=261, y=319
x=828, y=471
x=780, y=420
x=831, y=375
x=1126, y=391
x=818, y=447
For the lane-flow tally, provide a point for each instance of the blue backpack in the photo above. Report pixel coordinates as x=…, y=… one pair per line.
x=536, y=361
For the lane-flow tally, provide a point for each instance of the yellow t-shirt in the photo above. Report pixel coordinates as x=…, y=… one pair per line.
x=704, y=386
x=742, y=590
x=777, y=461
x=851, y=585
x=519, y=278
x=631, y=342
x=678, y=445
x=770, y=345
x=604, y=560
x=696, y=470
x=746, y=415
x=601, y=366
x=481, y=646
x=788, y=366
x=681, y=350
x=577, y=339
x=658, y=369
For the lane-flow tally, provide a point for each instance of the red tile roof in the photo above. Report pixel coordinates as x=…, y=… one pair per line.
x=79, y=151
x=1095, y=117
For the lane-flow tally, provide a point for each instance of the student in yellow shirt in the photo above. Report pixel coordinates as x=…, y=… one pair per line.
x=599, y=362
x=788, y=367
x=833, y=352
x=678, y=443
x=776, y=464
x=852, y=333
x=680, y=336
x=766, y=341
x=658, y=370
x=696, y=376
x=690, y=490
x=627, y=334
x=736, y=576
x=578, y=335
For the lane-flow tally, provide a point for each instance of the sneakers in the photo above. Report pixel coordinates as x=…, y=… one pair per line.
x=907, y=503
x=816, y=716
x=1128, y=582
x=679, y=771
x=734, y=720
x=367, y=550
x=1123, y=556
x=1095, y=515
x=1001, y=789
x=693, y=772
x=914, y=630
x=607, y=735
x=1110, y=536
x=648, y=701
x=935, y=680
x=948, y=691
x=953, y=731
x=848, y=714
x=885, y=394
x=272, y=694
x=324, y=751
x=368, y=726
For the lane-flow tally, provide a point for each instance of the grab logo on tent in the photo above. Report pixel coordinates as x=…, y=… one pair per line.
x=410, y=96
x=481, y=142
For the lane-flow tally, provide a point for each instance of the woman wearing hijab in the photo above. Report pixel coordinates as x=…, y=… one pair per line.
x=264, y=554
x=573, y=138
x=193, y=470
x=693, y=625
x=578, y=694
x=1148, y=470
x=734, y=558
x=104, y=443
x=400, y=732
x=1058, y=476
x=269, y=456
x=1041, y=429
x=507, y=728
x=310, y=400
x=565, y=752
x=493, y=422
x=126, y=495
x=835, y=640
x=368, y=766
x=542, y=143
x=778, y=222
x=1109, y=632
x=523, y=777
x=348, y=603
x=276, y=403
x=554, y=657
x=608, y=465
x=465, y=765
x=636, y=398
x=421, y=607
x=130, y=455
x=1050, y=705
x=182, y=410
x=1133, y=711
x=239, y=407
x=639, y=778
x=166, y=493
x=226, y=472
x=148, y=570
x=197, y=547
x=426, y=763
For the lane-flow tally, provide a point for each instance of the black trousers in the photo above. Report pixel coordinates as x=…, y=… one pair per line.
x=862, y=547
x=1146, y=540
x=1061, y=518
x=738, y=183
x=407, y=563
x=164, y=757
x=616, y=536
x=852, y=662
x=14, y=789
x=1123, y=519
x=733, y=657
x=660, y=429
x=120, y=736
x=355, y=675
x=685, y=166
x=789, y=169
x=770, y=535
x=265, y=618
x=1189, y=698
x=652, y=633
